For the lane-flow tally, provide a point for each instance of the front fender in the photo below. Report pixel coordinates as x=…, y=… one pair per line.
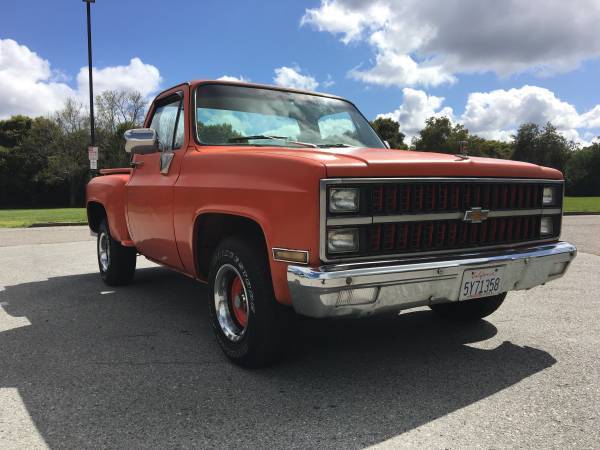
x=280, y=194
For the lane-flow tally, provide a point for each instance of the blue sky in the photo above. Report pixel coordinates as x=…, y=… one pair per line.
x=333, y=46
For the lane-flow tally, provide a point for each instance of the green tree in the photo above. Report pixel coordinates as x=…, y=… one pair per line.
x=439, y=135
x=118, y=107
x=478, y=146
x=67, y=161
x=216, y=134
x=46, y=158
x=13, y=130
x=22, y=167
x=389, y=130
x=117, y=111
x=12, y=176
x=582, y=171
x=543, y=146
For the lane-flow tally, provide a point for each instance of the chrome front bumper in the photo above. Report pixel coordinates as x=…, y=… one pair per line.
x=391, y=286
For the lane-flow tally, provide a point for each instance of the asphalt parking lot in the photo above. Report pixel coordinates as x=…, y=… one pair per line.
x=83, y=365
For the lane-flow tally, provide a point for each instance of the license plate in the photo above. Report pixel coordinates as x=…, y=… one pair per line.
x=482, y=282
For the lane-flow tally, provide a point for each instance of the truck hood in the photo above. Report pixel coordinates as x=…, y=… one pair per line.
x=375, y=162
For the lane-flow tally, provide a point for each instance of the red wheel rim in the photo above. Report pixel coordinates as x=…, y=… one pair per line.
x=238, y=301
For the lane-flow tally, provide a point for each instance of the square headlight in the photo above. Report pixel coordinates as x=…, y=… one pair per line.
x=344, y=200
x=342, y=240
x=547, y=226
x=550, y=196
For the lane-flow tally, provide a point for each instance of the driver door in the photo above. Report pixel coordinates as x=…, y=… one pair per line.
x=151, y=186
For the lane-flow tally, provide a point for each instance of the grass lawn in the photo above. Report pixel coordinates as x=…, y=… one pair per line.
x=582, y=204
x=12, y=218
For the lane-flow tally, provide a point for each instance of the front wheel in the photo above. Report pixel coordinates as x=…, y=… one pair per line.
x=469, y=310
x=251, y=327
x=116, y=262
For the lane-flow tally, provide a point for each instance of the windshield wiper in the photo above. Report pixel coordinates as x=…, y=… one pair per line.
x=334, y=145
x=278, y=138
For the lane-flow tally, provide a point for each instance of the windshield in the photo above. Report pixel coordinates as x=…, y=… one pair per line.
x=228, y=114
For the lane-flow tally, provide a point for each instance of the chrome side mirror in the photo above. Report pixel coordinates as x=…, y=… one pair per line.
x=141, y=141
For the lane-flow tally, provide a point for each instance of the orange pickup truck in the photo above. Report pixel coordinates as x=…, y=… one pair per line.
x=288, y=203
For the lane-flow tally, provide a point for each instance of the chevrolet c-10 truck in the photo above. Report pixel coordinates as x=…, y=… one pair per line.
x=287, y=203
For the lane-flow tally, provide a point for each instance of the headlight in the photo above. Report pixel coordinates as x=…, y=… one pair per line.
x=343, y=200
x=547, y=226
x=342, y=240
x=550, y=196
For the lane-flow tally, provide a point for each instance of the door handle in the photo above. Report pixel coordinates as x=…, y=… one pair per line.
x=136, y=164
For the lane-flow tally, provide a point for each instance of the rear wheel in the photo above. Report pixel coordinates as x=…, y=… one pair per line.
x=469, y=310
x=251, y=327
x=116, y=262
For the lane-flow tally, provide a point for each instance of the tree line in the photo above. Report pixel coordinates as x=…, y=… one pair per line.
x=44, y=161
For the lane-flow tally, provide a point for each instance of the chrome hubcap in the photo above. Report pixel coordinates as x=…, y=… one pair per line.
x=231, y=302
x=103, y=251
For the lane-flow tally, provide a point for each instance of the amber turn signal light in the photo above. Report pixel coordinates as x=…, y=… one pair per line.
x=286, y=255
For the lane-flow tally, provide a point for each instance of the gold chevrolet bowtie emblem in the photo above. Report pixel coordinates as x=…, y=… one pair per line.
x=476, y=215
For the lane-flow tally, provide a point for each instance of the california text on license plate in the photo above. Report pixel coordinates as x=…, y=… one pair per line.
x=481, y=282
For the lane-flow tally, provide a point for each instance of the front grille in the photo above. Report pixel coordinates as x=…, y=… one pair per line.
x=395, y=198
x=405, y=216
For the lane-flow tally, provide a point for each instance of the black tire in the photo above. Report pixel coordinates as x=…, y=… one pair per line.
x=469, y=310
x=261, y=340
x=116, y=262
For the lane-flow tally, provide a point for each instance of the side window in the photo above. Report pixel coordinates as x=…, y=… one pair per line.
x=168, y=122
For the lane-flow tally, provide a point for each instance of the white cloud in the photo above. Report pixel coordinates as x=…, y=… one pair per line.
x=328, y=82
x=488, y=112
x=497, y=114
x=428, y=42
x=26, y=85
x=591, y=119
x=415, y=109
x=144, y=78
x=233, y=79
x=337, y=17
x=29, y=86
x=292, y=77
x=392, y=69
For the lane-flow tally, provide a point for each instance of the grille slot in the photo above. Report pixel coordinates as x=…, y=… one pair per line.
x=399, y=198
x=450, y=234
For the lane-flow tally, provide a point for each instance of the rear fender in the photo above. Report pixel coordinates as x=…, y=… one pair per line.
x=109, y=191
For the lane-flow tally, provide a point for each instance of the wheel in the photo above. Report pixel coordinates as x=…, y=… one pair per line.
x=251, y=327
x=116, y=263
x=469, y=310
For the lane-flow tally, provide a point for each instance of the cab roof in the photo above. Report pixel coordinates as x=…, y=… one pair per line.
x=194, y=83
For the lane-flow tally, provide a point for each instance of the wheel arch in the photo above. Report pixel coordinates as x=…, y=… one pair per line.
x=95, y=214
x=210, y=228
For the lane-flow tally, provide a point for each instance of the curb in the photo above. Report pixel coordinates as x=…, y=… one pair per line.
x=56, y=224
x=597, y=213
